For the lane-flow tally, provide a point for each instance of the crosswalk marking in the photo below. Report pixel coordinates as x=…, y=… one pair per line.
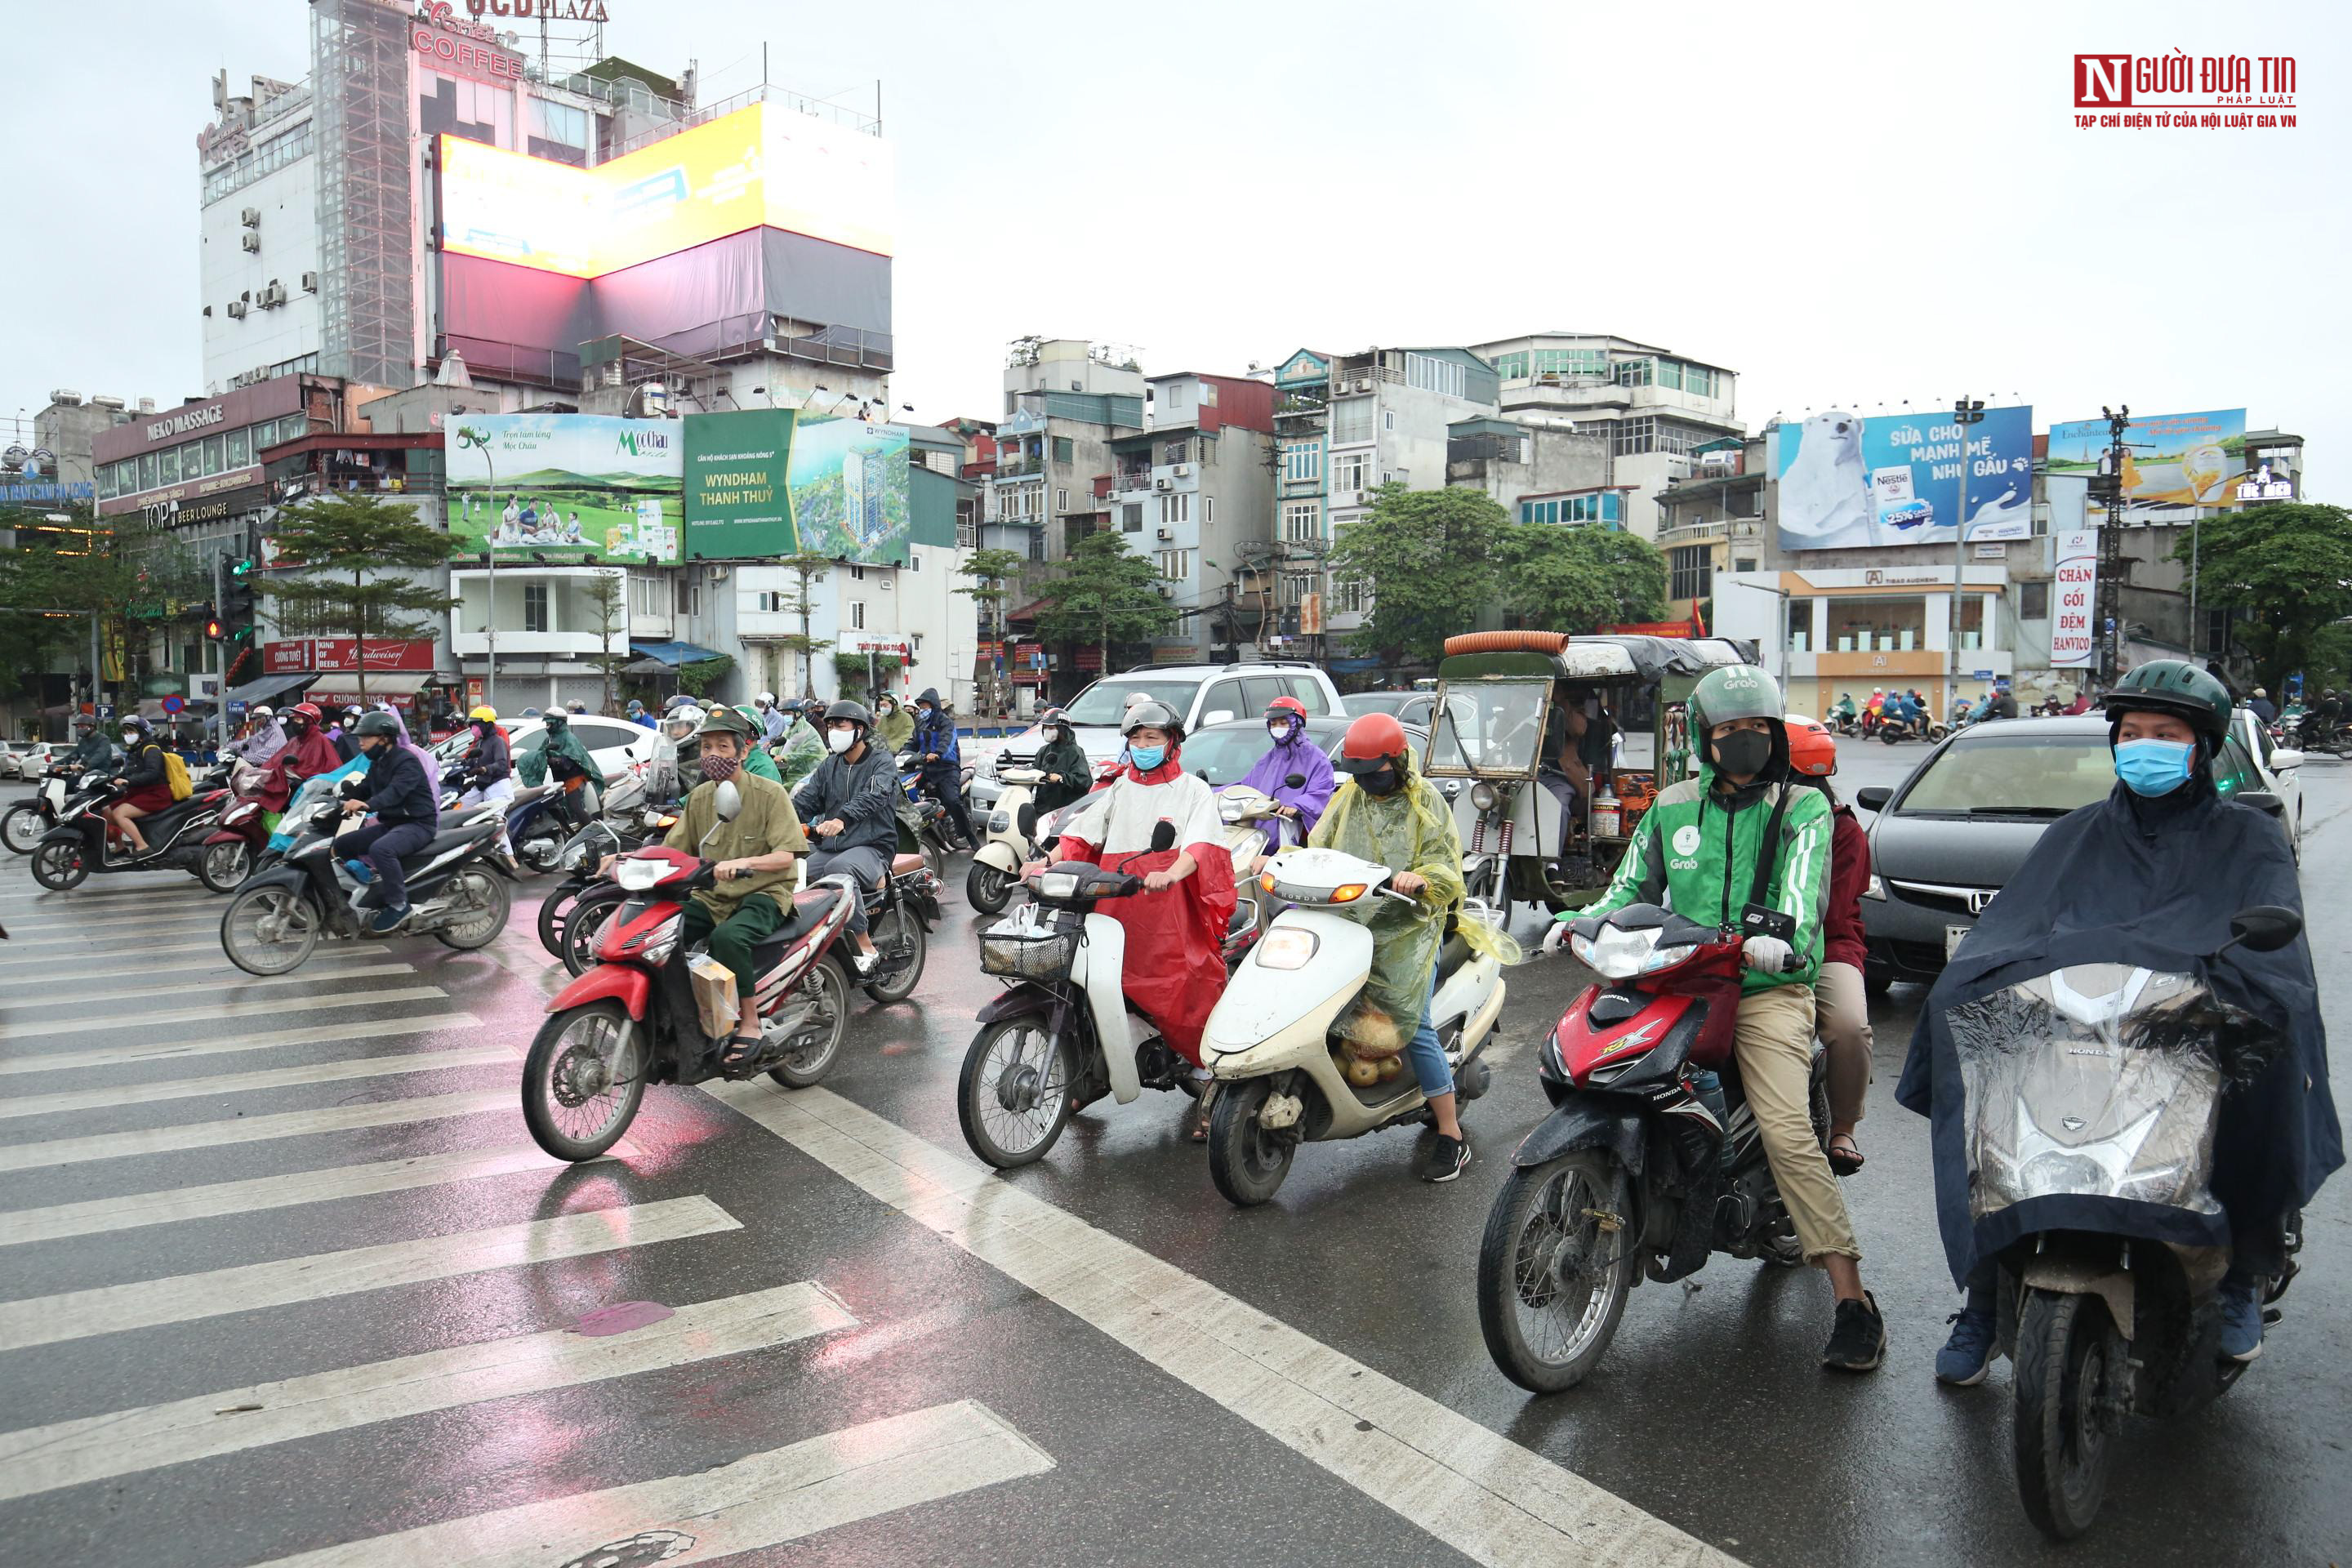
x=124, y=1442
x=172, y=1050
x=17, y=943
x=9, y=964
x=253, y=1129
x=178, y=1298
x=759, y=1501
x=75, y=975
x=286, y=1190
x=196, y=917
x=197, y=1012
x=18, y=1003
x=1482, y=1495
x=245, y=1082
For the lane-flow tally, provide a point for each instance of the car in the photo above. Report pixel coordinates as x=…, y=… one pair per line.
x=12, y=758
x=613, y=743
x=1406, y=707
x=1224, y=754
x=33, y=762
x=1948, y=838
x=1201, y=694
x=2280, y=768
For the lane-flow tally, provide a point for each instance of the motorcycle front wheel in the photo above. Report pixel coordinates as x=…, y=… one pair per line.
x=60, y=866
x=483, y=894
x=1247, y=1160
x=986, y=888
x=1554, y=1269
x=21, y=826
x=225, y=866
x=1013, y=1094
x=269, y=930
x=2069, y=1364
x=552, y=912
x=581, y=1085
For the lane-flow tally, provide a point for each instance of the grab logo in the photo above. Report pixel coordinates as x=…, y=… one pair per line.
x=1687, y=840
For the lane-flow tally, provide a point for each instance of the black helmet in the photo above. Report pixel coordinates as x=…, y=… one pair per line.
x=378, y=723
x=853, y=711
x=2175, y=686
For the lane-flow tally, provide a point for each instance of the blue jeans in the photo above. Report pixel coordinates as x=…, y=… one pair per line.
x=1427, y=1057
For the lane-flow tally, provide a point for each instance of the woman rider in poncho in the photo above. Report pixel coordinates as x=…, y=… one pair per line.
x=1293, y=754
x=894, y=727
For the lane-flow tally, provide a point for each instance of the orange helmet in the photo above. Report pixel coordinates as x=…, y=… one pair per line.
x=1812, y=750
x=1373, y=741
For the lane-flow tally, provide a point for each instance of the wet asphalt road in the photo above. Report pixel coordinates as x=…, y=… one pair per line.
x=120, y=1166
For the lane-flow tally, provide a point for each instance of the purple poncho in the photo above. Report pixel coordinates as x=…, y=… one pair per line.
x=1298, y=754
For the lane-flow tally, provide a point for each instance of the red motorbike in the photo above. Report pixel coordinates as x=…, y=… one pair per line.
x=234, y=849
x=632, y=1019
x=1650, y=1160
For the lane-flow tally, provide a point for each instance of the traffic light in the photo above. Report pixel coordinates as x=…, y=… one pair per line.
x=237, y=609
x=213, y=626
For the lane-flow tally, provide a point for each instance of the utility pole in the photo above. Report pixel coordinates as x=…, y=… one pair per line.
x=220, y=649
x=2111, y=547
x=1967, y=413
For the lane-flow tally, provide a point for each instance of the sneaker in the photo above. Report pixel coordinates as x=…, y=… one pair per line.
x=1967, y=1356
x=1858, y=1340
x=866, y=963
x=361, y=872
x=1447, y=1156
x=2242, y=1319
x=386, y=921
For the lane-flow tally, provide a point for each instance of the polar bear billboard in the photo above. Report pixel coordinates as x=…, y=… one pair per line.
x=1845, y=481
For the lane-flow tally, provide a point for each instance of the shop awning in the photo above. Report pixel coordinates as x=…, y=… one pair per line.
x=345, y=684
x=269, y=688
x=672, y=654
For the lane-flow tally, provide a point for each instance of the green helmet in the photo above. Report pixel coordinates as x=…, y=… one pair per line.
x=2175, y=686
x=1735, y=691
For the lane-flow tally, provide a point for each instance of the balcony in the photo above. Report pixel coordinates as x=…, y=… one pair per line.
x=1301, y=409
x=1019, y=468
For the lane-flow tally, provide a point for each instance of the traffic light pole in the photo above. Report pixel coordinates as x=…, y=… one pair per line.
x=220, y=651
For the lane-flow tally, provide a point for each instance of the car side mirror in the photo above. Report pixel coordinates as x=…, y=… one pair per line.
x=1221, y=716
x=1874, y=798
x=728, y=802
x=2264, y=928
x=2285, y=759
x=1294, y=780
x=2260, y=800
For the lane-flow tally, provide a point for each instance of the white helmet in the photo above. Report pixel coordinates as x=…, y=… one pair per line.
x=263, y=711
x=680, y=722
x=765, y=699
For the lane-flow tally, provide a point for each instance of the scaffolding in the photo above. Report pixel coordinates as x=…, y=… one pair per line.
x=358, y=71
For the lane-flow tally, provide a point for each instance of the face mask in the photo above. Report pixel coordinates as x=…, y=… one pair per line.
x=1381, y=782
x=719, y=770
x=1280, y=731
x=2155, y=767
x=841, y=739
x=1743, y=753
x=1147, y=758
x=129, y=737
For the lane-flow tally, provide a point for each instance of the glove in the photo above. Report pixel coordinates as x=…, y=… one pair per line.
x=1556, y=937
x=1768, y=954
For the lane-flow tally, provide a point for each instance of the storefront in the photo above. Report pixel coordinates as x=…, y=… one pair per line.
x=398, y=671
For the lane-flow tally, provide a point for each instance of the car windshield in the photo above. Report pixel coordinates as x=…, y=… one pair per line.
x=1391, y=702
x=1488, y=726
x=1105, y=702
x=1224, y=756
x=1991, y=774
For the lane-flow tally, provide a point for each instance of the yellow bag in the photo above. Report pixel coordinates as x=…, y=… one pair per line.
x=175, y=774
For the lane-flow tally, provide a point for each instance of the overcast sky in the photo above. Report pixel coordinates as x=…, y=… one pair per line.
x=1849, y=206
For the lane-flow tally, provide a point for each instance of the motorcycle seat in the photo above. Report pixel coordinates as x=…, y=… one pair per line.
x=168, y=821
x=903, y=865
x=808, y=909
x=440, y=844
x=463, y=816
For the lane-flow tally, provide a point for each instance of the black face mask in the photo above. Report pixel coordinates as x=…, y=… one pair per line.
x=1384, y=782
x=1743, y=753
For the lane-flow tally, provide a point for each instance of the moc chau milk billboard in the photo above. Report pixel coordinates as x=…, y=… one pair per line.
x=566, y=485
x=2174, y=464
x=1845, y=483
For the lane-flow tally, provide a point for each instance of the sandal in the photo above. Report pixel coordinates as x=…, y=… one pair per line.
x=1845, y=1154
x=1196, y=1125
x=737, y=1051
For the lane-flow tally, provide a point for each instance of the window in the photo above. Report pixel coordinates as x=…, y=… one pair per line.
x=1309, y=692
x=1388, y=419
x=216, y=449
x=1302, y=461
x=1351, y=471
x=1351, y=421
x=688, y=601
x=556, y=131
x=1701, y=382
x=1637, y=434
x=856, y=572
x=239, y=450
x=1430, y=373
x=1175, y=452
x=1065, y=451
x=1061, y=500
x=857, y=615
x=1302, y=521
x=1571, y=362
x=474, y=110
x=170, y=470
x=1632, y=371
x=914, y=562
x=534, y=607
x=1669, y=372
x=1601, y=507
x=1036, y=545
x=1512, y=366
x=1690, y=571
x=2232, y=769
x=1174, y=564
x=151, y=473
x=2033, y=601
x=646, y=597
x=1256, y=694
x=1539, y=512
x=1174, y=508
x=1207, y=449
x=1208, y=511
x=1131, y=518
x=606, y=737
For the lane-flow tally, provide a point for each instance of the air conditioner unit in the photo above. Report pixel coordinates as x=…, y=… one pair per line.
x=250, y=217
x=1160, y=484
x=1167, y=533
x=310, y=281
x=1363, y=386
x=274, y=294
x=1183, y=470
x=237, y=310
x=252, y=242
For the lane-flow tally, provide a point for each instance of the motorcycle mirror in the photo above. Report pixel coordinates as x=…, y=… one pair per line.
x=727, y=802
x=2264, y=928
x=1294, y=780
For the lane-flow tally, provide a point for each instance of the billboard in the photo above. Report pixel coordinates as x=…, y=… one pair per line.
x=738, y=484
x=1845, y=483
x=2173, y=463
x=849, y=489
x=761, y=166
x=566, y=485
x=2073, y=635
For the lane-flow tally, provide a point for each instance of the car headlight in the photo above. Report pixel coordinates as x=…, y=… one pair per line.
x=1483, y=796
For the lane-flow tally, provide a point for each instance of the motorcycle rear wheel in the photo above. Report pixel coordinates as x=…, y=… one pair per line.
x=986, y=888
x=581, y=1087
x=1012, y=1096
x=809, y=1060
x=1247, y=1161
x=584, y=926
x=899, y=925
x=2068, y=1361
x=1543, y=1226
x=486, y=891
x=61, y=866
x=224, y=866
x=21, y=826
x=269, y=930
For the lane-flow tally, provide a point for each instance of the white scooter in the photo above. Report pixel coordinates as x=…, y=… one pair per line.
x=1012, y=842
x=1269, y=1043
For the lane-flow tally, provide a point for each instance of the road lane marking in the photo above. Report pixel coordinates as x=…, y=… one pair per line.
x=253, y=1129
x=183, y=1297
x=16, y=942
x=759, y=1501
x=172, y=1050
x=1482, y=1495
x=51, y=960
x=247, y=1082
x=78, y=974
x=124, y=1442
x=114, y=925
x=18, y=1003
x=205, y=1011
x=287, y=1190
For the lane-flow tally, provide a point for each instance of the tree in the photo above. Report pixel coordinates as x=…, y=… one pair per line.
x=1577, y=580
x=990, y=570
x=1425, y=558
x=699, y=679
x=2287, y=567
x=127, y=571
x=326, y=537
x=807, y=565
x=1104, y=593
x=608, y=598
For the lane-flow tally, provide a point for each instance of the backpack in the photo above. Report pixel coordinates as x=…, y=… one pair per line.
x=175, y=774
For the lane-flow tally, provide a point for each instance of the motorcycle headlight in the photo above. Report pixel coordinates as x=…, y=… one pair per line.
x=1000, y=822
x=1483, y=796
x=1057, y=884
x=1285, y=947
x=1620, y=954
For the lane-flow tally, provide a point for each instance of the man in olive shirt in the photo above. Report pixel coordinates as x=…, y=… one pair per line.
x=752, y=889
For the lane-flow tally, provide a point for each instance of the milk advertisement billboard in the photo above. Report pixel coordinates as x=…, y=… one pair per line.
x=566, y=486
x=2174, y=464
x=1845, y=483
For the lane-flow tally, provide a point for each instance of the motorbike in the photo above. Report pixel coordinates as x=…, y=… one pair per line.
x=1247, y=815
x=634, y=1020
x=457, y=895
x=1275, y=1044
x=1060, y=1037
x=1013, y=841
x=1645, y=1166
x=935, y=832
x=615, y=832
x=2099, y=1085
x=239, y=841
x=77, y=847
x=58, y=797
x=539, y=823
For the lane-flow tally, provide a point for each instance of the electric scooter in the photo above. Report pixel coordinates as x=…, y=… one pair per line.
x=1012, y=842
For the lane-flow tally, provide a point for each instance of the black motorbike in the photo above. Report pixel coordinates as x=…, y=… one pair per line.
x=457, y=895
x=69, y=853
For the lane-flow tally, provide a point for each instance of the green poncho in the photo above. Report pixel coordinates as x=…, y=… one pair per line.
x=799, y=752
x=895, y=730
x=531, y=767
x=759, y=762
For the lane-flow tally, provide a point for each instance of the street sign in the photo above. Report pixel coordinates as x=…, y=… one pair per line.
x=105, y=712
x=237, y=709
x=1983, y=674
x=173, y=702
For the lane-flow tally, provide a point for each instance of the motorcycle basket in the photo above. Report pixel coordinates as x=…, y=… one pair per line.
x=1019, y=952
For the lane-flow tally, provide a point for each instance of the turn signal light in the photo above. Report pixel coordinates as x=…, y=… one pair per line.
x=1348, y=894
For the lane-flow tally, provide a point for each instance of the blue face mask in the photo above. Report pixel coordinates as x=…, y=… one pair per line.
x=1147, y=758
x=2155, y=767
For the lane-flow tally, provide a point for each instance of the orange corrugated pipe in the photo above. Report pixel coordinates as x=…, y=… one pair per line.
x=1521, y=641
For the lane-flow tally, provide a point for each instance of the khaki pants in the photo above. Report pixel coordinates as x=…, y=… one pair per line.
x=1844, y=1023
x=1774, y=1046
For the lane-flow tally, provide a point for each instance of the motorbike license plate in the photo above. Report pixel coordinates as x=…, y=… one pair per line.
x=1953, y=936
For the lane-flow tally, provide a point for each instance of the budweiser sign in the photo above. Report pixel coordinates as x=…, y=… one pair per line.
x=331, y=656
